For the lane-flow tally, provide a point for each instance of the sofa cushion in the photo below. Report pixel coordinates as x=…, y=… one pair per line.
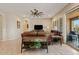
x=41, y=33
x=28, y=34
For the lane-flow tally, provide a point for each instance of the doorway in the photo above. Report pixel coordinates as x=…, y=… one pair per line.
x=25, y=25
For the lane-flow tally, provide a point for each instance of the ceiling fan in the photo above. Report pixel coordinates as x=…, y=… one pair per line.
x=35, y=12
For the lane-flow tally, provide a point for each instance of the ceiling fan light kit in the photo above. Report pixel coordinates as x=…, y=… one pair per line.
x=35, y=12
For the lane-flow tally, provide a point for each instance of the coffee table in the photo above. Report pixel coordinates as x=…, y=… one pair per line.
x=26, y=42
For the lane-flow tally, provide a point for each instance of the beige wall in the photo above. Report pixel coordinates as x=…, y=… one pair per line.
x=9, y=34
x=46, y=22
x=11, y=27
x=0, y=27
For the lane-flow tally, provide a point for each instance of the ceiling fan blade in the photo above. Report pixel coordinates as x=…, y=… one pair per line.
x=41, y=12
x=32, y=12
x=36, y=11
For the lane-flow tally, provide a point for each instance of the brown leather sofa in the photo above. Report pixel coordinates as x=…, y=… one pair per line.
x=29, y=37
x=33, y=34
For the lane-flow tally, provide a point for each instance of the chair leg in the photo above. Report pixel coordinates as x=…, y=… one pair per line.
x=21, y=48
x=47, y=46
x=61, y=40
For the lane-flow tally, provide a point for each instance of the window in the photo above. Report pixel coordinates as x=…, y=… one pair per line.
x=75, y=25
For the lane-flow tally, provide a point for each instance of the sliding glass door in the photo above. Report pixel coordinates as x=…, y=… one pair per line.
x=74, y=33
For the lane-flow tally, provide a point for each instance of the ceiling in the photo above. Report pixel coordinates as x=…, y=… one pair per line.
x=23, y=9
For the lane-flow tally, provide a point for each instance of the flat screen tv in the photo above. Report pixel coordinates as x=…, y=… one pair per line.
x=38, y=27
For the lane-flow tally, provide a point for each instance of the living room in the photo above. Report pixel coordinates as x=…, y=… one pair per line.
x=17, y=19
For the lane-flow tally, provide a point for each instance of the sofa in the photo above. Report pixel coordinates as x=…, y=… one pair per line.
x=28, y=38
x=71, y=36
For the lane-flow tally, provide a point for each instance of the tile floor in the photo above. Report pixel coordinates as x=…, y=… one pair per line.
x=53, y=50
x=13, y=47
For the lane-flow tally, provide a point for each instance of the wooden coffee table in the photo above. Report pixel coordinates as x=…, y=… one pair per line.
x=27, y=42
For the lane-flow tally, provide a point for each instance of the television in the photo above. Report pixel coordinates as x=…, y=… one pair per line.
x=38, y=27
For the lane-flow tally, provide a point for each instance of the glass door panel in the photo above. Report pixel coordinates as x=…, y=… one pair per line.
x=74, y=39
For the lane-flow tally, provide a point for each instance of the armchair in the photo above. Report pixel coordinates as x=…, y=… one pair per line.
x=73, y=37
x=55, y=35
